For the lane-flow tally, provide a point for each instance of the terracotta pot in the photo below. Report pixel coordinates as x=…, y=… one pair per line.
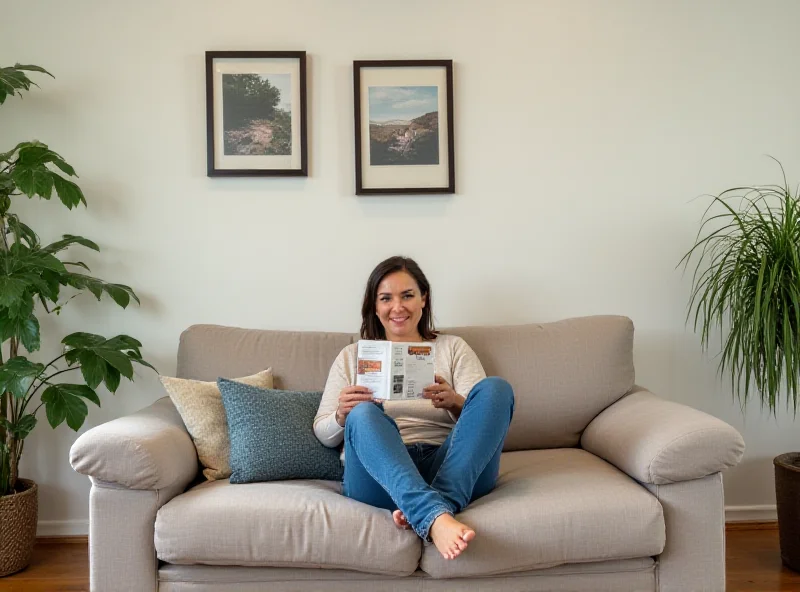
x=18, y=516
x=787, y=493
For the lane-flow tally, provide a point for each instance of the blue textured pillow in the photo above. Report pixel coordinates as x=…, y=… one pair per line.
x=272, y=435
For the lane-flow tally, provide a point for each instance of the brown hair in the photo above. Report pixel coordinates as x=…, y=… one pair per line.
x=371, y=327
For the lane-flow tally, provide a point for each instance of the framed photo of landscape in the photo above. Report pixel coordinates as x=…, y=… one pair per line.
x=404, y=126
x=256, y=113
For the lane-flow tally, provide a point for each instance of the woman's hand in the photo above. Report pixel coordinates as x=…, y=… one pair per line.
x=349, y=398
x=443, y=396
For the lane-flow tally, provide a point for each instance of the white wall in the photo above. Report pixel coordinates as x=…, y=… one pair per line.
x=583, y=131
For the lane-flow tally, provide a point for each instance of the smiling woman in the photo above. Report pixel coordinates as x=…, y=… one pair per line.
x=423, y=459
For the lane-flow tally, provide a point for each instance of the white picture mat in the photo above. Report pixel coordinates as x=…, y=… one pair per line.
x=401, y=176
x=256, y=66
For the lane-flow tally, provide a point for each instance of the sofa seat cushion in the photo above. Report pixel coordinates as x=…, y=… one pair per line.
x=553, y=507
x=282, y=524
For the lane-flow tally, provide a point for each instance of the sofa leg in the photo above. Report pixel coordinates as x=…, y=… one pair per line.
x=694, y=555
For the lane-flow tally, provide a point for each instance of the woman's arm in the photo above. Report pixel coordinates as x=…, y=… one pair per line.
x=467, y=371
x=326, y=428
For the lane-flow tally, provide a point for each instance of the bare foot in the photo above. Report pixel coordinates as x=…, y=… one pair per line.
x=400, y=520
x=450, y=536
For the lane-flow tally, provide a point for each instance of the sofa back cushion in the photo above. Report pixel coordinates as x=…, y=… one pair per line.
x=300, y=360
x=564, y=373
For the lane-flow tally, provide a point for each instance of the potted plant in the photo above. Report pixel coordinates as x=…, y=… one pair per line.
x=31, y=280
x=749, y=289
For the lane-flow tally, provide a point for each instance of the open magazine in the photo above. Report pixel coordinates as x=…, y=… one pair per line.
x=395, y=370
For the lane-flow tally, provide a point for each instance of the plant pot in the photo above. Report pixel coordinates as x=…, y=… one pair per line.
x=18, y=516
x=787, y=493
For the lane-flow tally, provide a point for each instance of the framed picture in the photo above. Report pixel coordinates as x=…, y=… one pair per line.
x=256, y=113
x=404, y=126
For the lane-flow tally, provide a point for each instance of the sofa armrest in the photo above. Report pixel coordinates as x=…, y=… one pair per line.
x=149, y=449
x=658, y=441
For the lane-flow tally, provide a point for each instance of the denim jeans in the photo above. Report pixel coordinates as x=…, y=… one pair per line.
x=425, y=480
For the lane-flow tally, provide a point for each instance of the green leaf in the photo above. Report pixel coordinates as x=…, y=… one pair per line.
x=129, y=291
x=69, y=193
x=118, y=360
x=121, y=342
x=62, y=404
x=80, y=264
x=136, y=357
x=22, y=231
x=23, y=427
x=28, y=332
x=112, y=379
x=63, y=165
x=83, y=340
x=70, y=240
x=93, y=368
x=33, y=155
x=32, y=68
x=80, y=390
x=17, y=375
x=32, y=181
x=11, y=290
x=119, y=295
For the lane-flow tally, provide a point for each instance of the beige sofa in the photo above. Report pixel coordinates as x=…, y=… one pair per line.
x=603, y=486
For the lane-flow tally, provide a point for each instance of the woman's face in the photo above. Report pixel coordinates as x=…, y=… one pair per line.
x=399, y=306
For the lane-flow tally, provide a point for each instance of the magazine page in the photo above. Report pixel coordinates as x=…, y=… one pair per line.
x=373, y=371
x=412, y=369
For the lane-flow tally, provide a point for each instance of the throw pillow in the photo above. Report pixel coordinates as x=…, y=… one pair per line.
x=272, y=435
x=200, y=406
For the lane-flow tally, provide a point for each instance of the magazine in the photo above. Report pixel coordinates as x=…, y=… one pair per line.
x=395, y=370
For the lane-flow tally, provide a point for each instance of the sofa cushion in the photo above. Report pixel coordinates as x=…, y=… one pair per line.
x=552, y=507
x=282, y=524
x=272, y=435
x=200, y=405
x=300, y=360
x=563, y=373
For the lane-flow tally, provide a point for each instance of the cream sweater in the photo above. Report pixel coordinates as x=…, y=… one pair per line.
x=418, y=420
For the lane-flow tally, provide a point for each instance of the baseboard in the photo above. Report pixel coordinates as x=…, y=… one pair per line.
x=765, y=513
x=61, y=528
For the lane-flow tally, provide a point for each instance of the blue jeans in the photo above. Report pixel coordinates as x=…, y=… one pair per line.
x=425, y=480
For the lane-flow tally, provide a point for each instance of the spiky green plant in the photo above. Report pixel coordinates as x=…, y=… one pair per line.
x=746, y=284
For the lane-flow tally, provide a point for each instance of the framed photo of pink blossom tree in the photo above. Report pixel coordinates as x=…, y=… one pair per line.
x=256, y=113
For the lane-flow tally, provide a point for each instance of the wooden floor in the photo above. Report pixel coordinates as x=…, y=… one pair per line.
x=754, y=564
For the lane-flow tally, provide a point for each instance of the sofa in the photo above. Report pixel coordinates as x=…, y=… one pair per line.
x=603, y=486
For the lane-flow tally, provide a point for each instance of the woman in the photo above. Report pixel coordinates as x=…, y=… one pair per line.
x=425, y=459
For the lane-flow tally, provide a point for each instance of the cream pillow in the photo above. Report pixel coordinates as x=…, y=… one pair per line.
x=200, y=406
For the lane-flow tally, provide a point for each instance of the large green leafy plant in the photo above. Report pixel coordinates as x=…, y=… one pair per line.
x=31, y=280
x=746, y=284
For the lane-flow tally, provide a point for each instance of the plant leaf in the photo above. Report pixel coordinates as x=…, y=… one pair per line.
x=112, y=379
x=32, y=181
x=61, y=403
x=23, y=427
x=118, y=360
x=68, y=241
x=68, y=192
x=18, y=374
x=83, y=340
x=93, y=368
x=11, y=290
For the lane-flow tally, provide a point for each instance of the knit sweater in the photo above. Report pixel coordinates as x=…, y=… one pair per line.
x=417, y=419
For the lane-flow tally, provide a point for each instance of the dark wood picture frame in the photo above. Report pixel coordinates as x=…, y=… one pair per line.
x=212, y=170
x=448, y=66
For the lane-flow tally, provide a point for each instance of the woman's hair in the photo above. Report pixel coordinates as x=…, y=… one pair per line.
x=371, y=327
